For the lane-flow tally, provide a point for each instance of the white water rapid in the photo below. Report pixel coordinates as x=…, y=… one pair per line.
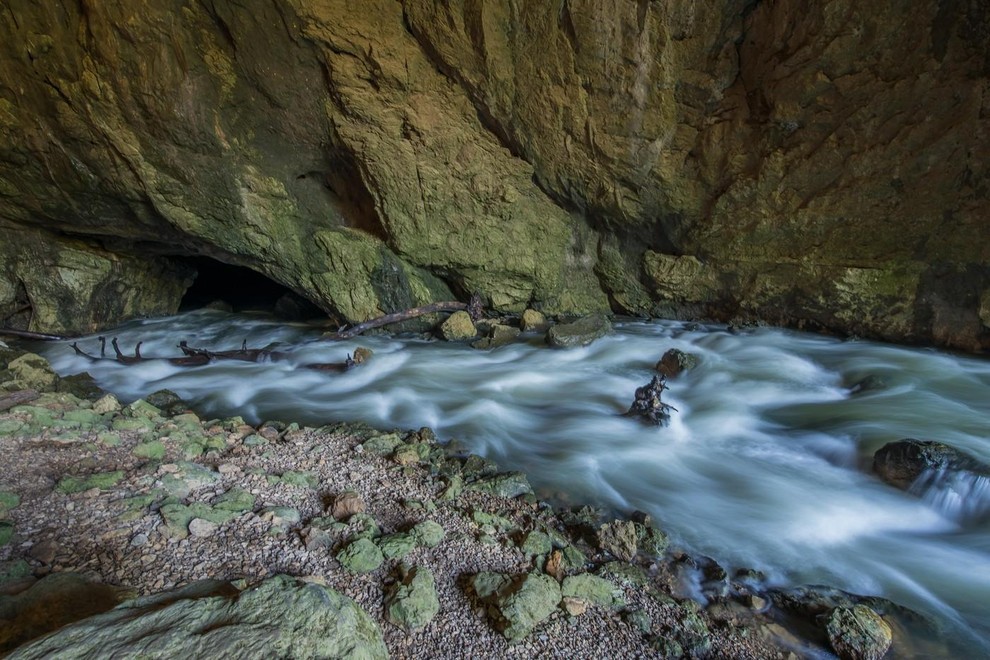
x=766, y=464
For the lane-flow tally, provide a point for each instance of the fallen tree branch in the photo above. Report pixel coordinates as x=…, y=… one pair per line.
x=25, y=334
x=474, y=308
x=8, y=401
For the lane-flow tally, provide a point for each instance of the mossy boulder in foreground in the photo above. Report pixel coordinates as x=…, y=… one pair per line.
x=280, y=617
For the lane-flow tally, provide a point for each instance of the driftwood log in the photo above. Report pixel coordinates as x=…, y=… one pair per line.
x=193, y=357
x=8, y=401
x=474, y=308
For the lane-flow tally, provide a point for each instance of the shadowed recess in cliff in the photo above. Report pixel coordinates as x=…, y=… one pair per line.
x=242, y=289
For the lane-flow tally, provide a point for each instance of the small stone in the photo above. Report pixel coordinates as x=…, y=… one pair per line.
x=201, y=528
x=397, y=546
x=574, y=606
x=106, y=404
x=139, y=540
x=346, y=504
x=533, y=320
x=458, y=327
x=44, y=552
x=536, y=544
x=505, y=484
x=554, y=566
x=428, y=533
x=361, y=556
x=618, y=539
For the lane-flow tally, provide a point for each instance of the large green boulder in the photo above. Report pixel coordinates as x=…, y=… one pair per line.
x=278, y=618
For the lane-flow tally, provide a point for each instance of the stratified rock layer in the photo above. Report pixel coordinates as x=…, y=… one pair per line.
x=821, y=164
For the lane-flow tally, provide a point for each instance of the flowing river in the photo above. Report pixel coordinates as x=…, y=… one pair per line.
x=765, y=464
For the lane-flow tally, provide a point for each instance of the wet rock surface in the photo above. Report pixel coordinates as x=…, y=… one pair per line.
x=240, y=511
x=901, y=463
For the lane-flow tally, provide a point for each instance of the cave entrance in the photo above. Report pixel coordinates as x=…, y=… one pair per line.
x=240, y=289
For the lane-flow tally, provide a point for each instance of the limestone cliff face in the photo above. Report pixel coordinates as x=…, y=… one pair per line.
x=820, y=163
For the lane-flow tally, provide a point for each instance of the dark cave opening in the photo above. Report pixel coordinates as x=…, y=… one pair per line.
x=240, y=289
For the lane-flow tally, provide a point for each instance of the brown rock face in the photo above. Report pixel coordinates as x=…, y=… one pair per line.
x=820, y=164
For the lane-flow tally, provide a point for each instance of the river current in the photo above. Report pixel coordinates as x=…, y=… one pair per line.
x=765, y=464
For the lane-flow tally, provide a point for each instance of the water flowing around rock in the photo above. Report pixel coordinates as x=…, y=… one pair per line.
x=766, y=464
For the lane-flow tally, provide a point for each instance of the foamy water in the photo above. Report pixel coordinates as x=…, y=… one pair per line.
x=766, y=464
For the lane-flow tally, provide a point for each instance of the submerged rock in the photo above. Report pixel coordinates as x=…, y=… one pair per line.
x=280, y=617
x=579, y=333
x=901, y=463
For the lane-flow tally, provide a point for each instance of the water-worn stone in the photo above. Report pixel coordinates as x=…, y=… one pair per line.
x=397, y=545
x=533, y=321
x=32, y=372
x=412, y=601
x=346, y=504
x=536, y=543
x=901, y=463
x=618, y=538
x=458, y=327
x=280, y=617
x=858, y=633
x=360, y=556
x=504, y=484
x=593, y=589
x=202, y=528
x=517, y=603
x=579, y=333
x=154, y=450
x=428, y=533
x=675, y=361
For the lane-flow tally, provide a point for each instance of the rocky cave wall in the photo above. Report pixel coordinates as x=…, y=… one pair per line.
x=819, y=164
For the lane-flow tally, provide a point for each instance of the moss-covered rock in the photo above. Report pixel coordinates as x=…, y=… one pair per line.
x=360, y=556
x=77, y=484
x=517, y=603
x=412, y=601
x=579, y=333
x=279, y=617
x=858, y=633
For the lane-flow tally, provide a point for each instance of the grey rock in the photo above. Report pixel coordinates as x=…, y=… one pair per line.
x=579, y=333
x=504, y=484
x=901, y=463
x=618, y=539
x=280, y=617
x=858, y=633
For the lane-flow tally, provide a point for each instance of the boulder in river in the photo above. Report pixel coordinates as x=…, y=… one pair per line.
x=675, y=361
x=579, y=333
x=901, y=463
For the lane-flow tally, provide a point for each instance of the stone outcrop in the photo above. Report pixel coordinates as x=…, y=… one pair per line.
x=819, y=164
x=278, y=617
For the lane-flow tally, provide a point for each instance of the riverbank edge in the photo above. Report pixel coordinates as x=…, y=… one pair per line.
x=496, y=510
